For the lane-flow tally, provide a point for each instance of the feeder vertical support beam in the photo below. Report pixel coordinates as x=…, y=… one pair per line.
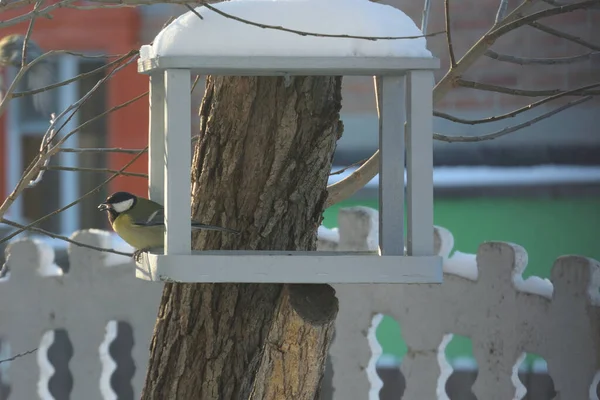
x=391, y=165
x=177, y=156
x=420, y=164
x=156, y=138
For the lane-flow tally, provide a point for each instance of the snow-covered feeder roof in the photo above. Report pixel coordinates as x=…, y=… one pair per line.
x=220, y=44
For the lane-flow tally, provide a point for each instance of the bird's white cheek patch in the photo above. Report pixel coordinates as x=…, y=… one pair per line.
x=122, y=206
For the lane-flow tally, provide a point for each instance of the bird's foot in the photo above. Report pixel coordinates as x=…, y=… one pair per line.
x=137, y=255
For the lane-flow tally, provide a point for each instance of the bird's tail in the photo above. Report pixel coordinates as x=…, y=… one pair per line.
x=198, y=225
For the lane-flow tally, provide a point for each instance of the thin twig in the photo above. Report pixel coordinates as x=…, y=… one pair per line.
x=99, y=150
x=44, y=145
x=31, y=171
x=101, y=115
x=563, y=35
x=449, y=34
x=540, y=61
x=93, y=191
x=520, y=92
x=28, y=34
x=341, y=171
x=195, y=82
x=538, y=15
x=303, y=33
x=555, y=3
x=20, y=74
x=346, y=187
x=425, y=17
x=192, y=9
x=83, y=169
x=103, y=6
x=510, y=129
x=512, y=113
x=34, y=13
x=501, y=13
x=78, y=77
x=64, y=238
x=13, y=358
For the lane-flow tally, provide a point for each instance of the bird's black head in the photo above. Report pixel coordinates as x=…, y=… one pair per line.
x=118, y=203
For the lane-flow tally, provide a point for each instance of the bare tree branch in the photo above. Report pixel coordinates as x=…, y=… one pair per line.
x=192, y=9
x=425, y=17
x=16, y=356
x=99, y=150
x=449, y=34
x=473, y=54
x=63, y=238
x=521, y=92
x=82, y=169
x=341, y=171
x=20, y=74
x=345, y=188
x=93, y=191
x=28, y=33
x=34, y=13
x=505, y=28
x=510, y=129
x=78, y=77
x=28, y=175
x=566, y=36
x=96, y=4
x=303, y=33
x=501, y=13
x=537, y=61
x=43, y=148
x=512, y=113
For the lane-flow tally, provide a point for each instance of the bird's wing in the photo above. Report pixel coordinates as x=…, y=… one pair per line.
x=157, y=218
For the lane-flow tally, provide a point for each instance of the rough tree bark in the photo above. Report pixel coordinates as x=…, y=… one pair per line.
x=261, y=167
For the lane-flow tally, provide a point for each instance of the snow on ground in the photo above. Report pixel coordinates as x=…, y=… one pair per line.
x=500, y=176
x=217, y=35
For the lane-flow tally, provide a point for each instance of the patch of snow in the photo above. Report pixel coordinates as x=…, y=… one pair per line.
x=445, y=368
x=47, y=265
x=46, y=368
x=331, y=235
x=463, y=265
x=448, y=177
x=534, y=285
x=520, y=389
x=374, y=380
x=217, y=35
x=464, y=363
x=111, y=240
x=108, y=364
x=5, y=352
x=373, y=236
x=388, y=361
x=593, y=394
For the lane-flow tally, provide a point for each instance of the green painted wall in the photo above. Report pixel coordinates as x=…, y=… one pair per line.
x=546, y=228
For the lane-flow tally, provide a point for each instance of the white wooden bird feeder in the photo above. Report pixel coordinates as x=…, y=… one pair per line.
x=407, y=82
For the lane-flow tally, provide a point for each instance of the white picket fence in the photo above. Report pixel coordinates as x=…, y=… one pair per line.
x=483, y=297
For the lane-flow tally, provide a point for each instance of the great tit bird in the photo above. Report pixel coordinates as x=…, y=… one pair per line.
x=140, y=222
x=39, y=76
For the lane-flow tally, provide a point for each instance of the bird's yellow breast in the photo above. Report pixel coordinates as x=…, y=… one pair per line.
x=140, y=237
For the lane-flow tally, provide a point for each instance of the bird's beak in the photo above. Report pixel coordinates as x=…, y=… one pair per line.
x=104, y=206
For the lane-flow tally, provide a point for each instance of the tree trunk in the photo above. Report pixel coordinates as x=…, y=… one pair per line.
x=261, y=167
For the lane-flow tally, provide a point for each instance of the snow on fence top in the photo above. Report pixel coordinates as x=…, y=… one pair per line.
x=220, y=35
